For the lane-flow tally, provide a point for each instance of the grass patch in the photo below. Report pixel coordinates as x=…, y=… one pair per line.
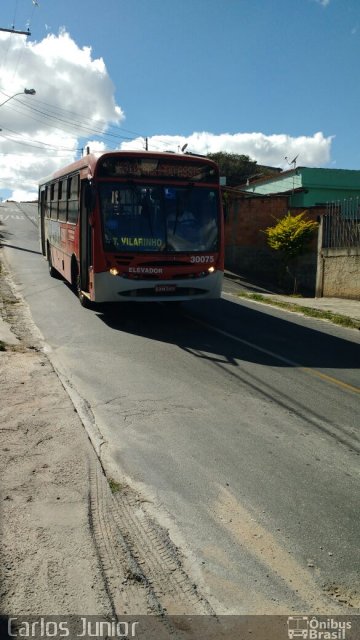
x=336, y=318
x=115, y=487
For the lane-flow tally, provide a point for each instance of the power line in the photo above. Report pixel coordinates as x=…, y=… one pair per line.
x=15, y=12
x=112, y=130
x=28, y=143
x=84, y=129
x=81, y=115
x=74, y=122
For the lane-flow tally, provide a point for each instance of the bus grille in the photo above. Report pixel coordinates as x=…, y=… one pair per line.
x=151, y=293
x=160, y=276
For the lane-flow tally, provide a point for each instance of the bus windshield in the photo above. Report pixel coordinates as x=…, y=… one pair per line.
x=159, y=218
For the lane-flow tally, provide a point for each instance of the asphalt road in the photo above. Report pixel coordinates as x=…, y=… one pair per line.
x=239, y=423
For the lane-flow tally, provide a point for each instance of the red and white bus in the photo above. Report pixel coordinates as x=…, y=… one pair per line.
x=135, y=226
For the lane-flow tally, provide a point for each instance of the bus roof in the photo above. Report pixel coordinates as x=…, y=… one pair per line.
x=87, y=164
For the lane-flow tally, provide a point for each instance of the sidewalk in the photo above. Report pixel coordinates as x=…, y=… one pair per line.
x=341, y=306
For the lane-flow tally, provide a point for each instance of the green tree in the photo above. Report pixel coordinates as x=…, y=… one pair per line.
x=290, y=236
x=237, y=168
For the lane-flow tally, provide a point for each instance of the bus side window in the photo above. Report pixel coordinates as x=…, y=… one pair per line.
x=73, y=198
x=47, y=202
x=53, y=201
x=62, y=200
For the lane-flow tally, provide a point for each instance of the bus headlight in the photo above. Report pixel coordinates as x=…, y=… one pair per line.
x=114, y=271
x=211, y=269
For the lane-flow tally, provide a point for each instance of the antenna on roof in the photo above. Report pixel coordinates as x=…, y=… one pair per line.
x=293, y=162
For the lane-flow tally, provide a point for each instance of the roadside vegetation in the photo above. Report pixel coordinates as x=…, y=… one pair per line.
x=238, y=168
x=336, y=318
x=290, y=237
x=115, y=487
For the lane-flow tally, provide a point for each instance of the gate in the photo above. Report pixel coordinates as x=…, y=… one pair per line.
x=341, y=225
x=338, y=265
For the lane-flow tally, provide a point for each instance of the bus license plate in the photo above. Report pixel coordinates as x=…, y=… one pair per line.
x=165, y=288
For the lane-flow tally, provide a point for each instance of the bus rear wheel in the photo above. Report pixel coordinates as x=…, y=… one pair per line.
x=52, y=271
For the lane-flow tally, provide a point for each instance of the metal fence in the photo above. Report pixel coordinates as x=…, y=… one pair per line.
x=341, y=224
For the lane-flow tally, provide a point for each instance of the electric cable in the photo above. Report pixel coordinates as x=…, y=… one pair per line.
x=39, y=142
x=86, y=129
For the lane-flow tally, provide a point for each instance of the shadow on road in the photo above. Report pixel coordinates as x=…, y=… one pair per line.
x=260, y=336
x=12, y=246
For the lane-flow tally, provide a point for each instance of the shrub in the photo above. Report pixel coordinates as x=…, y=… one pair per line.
x=290, y=235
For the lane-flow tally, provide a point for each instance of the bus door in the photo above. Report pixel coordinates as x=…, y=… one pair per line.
x=85, y=243
x=43, y=193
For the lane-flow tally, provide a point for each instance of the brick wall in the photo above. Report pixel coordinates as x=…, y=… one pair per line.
x=246, y=248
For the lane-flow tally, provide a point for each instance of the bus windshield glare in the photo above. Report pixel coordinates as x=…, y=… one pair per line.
x=158, y=218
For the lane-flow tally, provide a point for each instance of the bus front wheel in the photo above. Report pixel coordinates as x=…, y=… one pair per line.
x=76, y=282
x=83, y=299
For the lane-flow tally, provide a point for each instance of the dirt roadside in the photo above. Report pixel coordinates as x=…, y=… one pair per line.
x=72, y=541
x=50, y=563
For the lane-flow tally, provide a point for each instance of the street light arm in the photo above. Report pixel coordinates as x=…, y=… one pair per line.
x=30, y=92
x=16, y=94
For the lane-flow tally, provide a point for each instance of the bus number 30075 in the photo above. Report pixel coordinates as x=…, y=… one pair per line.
x=201, y=259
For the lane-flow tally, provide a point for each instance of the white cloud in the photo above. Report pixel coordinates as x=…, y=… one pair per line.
x=21, y=195
x=42, y=132
x=324, y=3
x=265, y=149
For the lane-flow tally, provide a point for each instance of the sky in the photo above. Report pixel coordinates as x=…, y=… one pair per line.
x=271, y=79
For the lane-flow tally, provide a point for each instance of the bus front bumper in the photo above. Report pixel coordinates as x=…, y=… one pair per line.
x=109, y=288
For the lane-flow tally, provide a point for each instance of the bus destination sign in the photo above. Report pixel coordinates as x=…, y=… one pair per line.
x=115, y=167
